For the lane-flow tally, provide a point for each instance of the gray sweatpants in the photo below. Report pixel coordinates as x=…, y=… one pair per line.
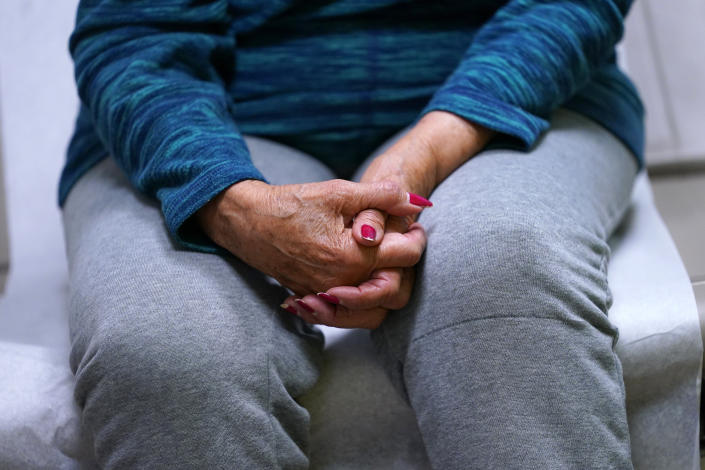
x=505, y=352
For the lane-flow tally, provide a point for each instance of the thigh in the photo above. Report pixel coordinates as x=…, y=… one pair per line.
x=164, y=340
x=532, y=221
x=122, y=261
x=506, y=344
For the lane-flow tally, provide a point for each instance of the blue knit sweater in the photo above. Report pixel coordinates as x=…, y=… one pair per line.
x=168, y=87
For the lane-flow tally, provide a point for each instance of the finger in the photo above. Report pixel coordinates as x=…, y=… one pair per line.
x=382, y=286
x=323, y=311
x=300, y=310
x=323, y=314
x=398, y=224
x=401, y=250
x=368, y=228
x=405, y=290
x=311, y=308
x=384, y=195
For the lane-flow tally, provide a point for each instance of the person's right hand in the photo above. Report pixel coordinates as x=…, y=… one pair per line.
x=300, y=234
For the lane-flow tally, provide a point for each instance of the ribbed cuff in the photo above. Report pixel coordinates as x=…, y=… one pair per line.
x=179, y=204
x=489, y=112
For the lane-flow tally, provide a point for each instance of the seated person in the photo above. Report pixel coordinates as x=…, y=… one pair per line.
x=222, y=145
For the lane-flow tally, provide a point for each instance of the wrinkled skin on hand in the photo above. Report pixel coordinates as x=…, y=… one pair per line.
x=365, y=305
x=301, y=234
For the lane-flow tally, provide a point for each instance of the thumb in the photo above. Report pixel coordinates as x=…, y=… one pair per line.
x=383, y=195
x=368, y=227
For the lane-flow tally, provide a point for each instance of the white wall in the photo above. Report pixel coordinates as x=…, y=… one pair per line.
x=665, y=55
x=4, y=242
x=38, y=102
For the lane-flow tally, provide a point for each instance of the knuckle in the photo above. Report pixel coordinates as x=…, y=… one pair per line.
x=353, y=271
x=415, y=250
x=347, y=259
x=418, y=253
x=327, y=255
x=362, y=268
x=339, y=186
x=388, y=295
x=399, y=300
x=411, y=255
x=342, y=312
x=389, y=186
x=391, y=189
x=371, y=216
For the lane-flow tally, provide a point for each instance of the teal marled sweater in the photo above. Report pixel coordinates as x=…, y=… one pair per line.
x=168, y=87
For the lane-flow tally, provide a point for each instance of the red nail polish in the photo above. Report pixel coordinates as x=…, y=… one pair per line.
x=368, y=232
x=289, y=309
x=329, y=298
x=417, y=200
x=304, y=305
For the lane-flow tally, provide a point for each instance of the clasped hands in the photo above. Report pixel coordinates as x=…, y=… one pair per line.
x=310, y=237
x=390, y=244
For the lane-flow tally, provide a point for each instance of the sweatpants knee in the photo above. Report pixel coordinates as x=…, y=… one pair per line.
x=142, y=395
x=147, y=369
x=511, y=266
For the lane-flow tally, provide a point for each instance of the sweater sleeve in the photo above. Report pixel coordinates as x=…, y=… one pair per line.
x=527, y=60
x=153, y=75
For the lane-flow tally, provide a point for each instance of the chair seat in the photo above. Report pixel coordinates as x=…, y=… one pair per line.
x=355, y=408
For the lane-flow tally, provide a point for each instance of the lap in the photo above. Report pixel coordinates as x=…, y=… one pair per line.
x=511, y=234
x=505, y=220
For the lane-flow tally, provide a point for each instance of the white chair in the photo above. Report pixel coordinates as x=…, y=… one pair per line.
x=354, y=404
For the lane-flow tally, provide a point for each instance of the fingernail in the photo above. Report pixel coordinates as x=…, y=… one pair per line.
x=417, y=200
x=304, y=305
x=289, y=309
x=368, y=232
x=329, y=298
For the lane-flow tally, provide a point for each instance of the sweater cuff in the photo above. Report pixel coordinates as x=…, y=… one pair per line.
x=179, y=204
x=490, y=112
